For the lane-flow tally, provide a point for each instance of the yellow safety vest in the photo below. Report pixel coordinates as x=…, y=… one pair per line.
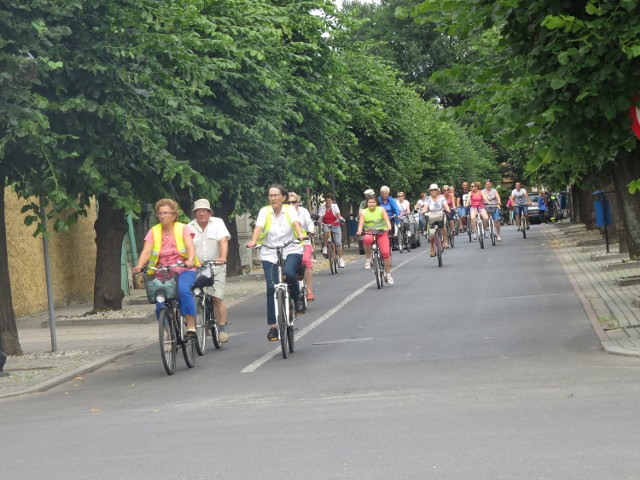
x=178, y=233
x=267, y=223
x=375, y=219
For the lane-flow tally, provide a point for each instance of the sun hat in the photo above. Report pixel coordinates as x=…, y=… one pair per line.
x=202, y=203
x=369, y=191
x=433, y=186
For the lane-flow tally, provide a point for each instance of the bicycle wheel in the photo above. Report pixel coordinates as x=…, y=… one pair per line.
x=381, y=270
x=201, y=328
x=303, y=292
x=292, y=316
x=439, y=247
x=523, y=224
x=492, y=232
x=212, y=324
x=481, y=233
x=376, y=268
x=333, y=261
x=187, y=343
x=400, y=240
x=452, y=236
x=469, y=229
x=281, y=309
x=167, y=336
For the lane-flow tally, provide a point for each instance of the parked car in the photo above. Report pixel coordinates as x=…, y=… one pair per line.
x=534, y=208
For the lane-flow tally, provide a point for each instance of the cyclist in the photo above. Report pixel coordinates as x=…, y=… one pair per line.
x=521, y=202
x=375, y=217
x=493, y=198
x=393, y=211
x=403, y=204
x=436, y=204
x=169, y=242
x=277, y=224
x=475, y=202
x=367, y=193
x=212, y=243
x=447, y=192
x=308, y=228
x=418, y=207
x=542, y=207
x=461, y=205
x=331, y=219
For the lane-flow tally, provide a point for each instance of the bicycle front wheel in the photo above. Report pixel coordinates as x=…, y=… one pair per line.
x=189, y=350
x=481, y=234
x=439, y=247
x=201, y=328
x=333, y=261
x=401, y=240
x=290, y=327
x=492, y=232
x=281, y=309
x=168, y=346
x=523, y=224
x=376, y=269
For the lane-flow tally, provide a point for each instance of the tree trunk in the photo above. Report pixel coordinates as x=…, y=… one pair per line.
x=234, y=263
x=111, y=227
x=626, y=169
x=583, y=204
x=9, y=341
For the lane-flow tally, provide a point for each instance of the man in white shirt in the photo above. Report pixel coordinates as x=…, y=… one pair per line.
x=212, y=243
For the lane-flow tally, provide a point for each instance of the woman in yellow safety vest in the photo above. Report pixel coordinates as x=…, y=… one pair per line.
x=169, y=242
x=375, y=217
x=277, y=224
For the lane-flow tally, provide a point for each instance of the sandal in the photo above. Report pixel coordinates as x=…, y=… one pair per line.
x=191, y=332
x=433, y=253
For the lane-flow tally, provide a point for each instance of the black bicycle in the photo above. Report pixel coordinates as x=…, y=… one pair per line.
x=376, y=258
x=205, y=310
x=162, y=287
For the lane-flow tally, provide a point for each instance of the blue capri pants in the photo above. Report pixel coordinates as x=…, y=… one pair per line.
x=185, y=296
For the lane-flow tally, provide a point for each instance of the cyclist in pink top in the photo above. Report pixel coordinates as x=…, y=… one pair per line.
x=475, y=202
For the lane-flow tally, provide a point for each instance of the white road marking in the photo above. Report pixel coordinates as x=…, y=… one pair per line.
x=252, y=367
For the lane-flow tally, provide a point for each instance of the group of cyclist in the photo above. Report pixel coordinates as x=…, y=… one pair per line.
x=285, y=221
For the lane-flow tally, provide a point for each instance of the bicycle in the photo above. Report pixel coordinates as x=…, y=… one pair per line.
x=436, y=223
x=452, y=232
x=332, y=252
x=468, y=223
x=172, y=328
x=376, y=258
x=491, y=209
x=524, y=220
x=205, y=310
x=403, y=235
x=284, y=303
x=480, y=229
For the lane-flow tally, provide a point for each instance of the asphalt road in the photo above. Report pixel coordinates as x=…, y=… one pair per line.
x=486, y=368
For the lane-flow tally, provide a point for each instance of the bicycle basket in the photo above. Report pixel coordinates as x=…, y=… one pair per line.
x=435, y=217
x=204, y=276
x=156, y=287
x=491, y=208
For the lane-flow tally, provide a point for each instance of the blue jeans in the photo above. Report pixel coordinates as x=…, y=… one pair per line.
x=291, y=266
x=185, y=296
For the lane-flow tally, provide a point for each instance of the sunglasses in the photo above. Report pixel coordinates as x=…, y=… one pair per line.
x=292, y=202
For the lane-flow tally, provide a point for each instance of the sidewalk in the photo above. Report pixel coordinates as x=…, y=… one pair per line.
x=604, y=283
x=86, y=344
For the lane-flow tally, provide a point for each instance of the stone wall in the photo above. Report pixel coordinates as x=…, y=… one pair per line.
x=72, y=254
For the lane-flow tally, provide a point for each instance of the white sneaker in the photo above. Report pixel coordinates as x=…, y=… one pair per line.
x=367, y=264
x=341, y=263
x=324, y=250
x=475, y=237
x=499, y=238
x=223, y=337
x=389, y=279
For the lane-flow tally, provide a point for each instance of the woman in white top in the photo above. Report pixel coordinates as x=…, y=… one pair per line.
x=435, y=206
x=493, y=199
x=309, y=227
x=276, y=225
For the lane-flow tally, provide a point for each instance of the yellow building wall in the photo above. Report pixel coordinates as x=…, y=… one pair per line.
x=72, y=254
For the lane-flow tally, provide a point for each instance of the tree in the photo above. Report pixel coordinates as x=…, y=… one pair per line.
x=561, y=80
